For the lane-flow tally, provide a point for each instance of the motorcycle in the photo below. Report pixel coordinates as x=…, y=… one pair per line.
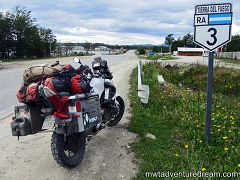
x=88, y=114
x=112, y=104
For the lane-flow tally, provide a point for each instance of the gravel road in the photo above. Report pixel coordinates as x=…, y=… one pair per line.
x=107, y=155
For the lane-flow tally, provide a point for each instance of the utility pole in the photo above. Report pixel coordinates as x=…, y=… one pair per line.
x=170, y=43
x=50, y=48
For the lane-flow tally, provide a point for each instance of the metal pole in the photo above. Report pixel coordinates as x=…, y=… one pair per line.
x=50, y=49
x=209, y=95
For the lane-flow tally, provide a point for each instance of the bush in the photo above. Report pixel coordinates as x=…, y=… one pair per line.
x=141, y=51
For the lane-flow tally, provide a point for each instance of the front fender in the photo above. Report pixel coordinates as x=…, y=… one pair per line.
x=116, y=95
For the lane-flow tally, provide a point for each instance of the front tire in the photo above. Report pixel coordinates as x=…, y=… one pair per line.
x=68, y=151
x=121, y=108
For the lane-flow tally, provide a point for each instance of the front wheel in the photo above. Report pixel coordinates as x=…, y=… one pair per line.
x=68, y=150
x=120, y=111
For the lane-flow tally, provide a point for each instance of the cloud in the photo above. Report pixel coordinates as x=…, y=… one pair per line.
x=116, y=22
x=76, y=35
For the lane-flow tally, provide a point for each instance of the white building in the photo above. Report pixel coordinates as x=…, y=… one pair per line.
x=102, y=48
x=77, y=49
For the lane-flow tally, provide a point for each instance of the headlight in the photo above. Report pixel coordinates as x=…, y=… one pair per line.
x=96, y=65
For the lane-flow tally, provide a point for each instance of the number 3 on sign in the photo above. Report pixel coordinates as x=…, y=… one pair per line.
x=213, y=32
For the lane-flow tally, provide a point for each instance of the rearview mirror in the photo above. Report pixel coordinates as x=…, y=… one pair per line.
x=76, y=60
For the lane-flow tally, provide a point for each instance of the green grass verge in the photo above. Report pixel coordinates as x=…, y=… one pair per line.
x=233, y=61
x=169, y=58
x=142, y=56
x=176, y=117
x=157, y=57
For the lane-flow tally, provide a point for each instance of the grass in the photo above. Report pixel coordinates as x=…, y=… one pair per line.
x=176, y=116
x=142, y=56
x=233, y=61
x=169, y=57
x=157, y=57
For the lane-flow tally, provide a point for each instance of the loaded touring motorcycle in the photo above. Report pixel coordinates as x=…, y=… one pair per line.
x=88, y=113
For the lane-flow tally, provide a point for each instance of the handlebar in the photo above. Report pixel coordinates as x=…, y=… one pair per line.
x=101, y=75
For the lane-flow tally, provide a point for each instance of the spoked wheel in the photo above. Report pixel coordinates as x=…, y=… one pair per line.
x=120, y=108
x=68, y=150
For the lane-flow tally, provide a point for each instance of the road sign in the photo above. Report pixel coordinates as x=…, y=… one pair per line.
x=212, y=29
x=212, y=25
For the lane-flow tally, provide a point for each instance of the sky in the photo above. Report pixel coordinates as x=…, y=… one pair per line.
x=117, y=21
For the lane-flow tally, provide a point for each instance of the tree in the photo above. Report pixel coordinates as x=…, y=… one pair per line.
x=87, y=45
x=5, y=35
x=169, y=39
x=20, y=35
x=21, y=22
x=156, y=49
x=187, y=40
x=141, y=51
x=68, y=47
x=234, y=45
x=48, y=41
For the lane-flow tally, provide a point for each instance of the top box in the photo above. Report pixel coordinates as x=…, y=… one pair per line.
x=213, y=8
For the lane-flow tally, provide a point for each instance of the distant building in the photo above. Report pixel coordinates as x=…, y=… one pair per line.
x=77, y=49
x=102, y=48
x=185, y=51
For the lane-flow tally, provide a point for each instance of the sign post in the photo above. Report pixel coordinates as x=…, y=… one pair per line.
x=212, y=29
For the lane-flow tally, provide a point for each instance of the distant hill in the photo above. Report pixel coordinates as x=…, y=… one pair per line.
x=151, y=45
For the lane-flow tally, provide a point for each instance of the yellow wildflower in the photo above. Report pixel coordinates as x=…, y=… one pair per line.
x=200, y=141
x=238, y=165
x=225, y=137
x=186, y=146
x=226, y=149
x=176, y=154
x=204, y=169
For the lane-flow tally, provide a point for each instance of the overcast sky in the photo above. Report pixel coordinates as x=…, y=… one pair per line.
x=116, y=21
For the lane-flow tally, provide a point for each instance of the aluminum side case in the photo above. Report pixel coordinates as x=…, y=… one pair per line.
x=89, y=114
